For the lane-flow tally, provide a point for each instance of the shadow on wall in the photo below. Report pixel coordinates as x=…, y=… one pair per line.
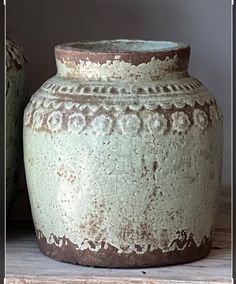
x=40, y=25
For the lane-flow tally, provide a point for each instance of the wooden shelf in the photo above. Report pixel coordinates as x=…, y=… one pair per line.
x=26, y=264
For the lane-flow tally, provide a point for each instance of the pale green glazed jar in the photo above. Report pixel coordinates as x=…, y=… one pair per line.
x=123, y=156
x=15, y=103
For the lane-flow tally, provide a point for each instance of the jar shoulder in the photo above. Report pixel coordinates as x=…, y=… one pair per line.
x=85, y=103
x=177, y=92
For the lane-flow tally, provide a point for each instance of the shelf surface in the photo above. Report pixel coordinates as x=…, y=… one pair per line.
x=26, y=264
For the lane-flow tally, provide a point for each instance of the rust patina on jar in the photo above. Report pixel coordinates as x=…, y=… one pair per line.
x=123, y=156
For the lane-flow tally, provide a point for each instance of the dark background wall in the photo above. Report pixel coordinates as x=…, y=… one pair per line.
x=205, y=24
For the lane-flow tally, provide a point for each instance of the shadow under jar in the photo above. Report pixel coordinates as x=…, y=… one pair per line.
x=123, y=156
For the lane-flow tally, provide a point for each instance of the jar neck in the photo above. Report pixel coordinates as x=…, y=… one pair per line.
x=133, y=66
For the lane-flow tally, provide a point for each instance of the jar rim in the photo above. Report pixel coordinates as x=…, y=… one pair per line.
x=73, y=52
x=121, y=46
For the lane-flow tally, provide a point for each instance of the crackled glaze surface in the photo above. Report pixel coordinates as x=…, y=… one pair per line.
x=123, y=159
x=15, y=104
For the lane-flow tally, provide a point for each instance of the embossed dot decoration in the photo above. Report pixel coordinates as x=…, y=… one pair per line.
x=79, y=117
x=200, y=118
x=54, y=121
x=181, y=121
x=157, y=123
x=102, y=125
x=76, y=122
x=38, y=118
x=129, y=123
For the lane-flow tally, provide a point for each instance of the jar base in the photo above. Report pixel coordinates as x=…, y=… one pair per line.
x=110, y=258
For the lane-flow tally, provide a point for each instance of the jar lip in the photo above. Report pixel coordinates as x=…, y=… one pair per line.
x=122, y=46
x=105, y=51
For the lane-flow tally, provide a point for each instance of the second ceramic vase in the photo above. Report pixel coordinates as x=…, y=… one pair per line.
x=16, y=100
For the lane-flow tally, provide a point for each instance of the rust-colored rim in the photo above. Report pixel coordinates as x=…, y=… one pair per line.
x=123, y=50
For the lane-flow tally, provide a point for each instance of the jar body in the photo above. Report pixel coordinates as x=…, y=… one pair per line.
x=15, y=104
x=123, y=174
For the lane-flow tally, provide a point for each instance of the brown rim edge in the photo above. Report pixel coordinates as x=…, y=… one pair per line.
x=134, y=57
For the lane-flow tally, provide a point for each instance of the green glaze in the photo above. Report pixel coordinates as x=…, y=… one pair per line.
x=123, y=154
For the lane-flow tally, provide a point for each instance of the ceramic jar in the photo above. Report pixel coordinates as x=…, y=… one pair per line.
x=15, y=104
x=123, y=156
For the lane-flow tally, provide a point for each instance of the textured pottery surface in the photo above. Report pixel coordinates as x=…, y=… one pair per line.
x=123, y=156
x=15, y=104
